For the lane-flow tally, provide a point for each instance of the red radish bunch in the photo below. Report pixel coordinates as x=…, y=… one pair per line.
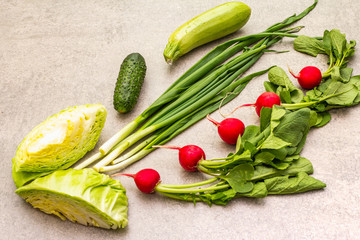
x=146, y=180
x=229, y=129
x=309, y=77
x=189, y=156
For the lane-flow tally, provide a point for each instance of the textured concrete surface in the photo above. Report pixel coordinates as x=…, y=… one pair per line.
x=56, y=54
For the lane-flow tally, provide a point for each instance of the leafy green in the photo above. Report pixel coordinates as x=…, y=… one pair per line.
x=302, y=182
x=83, y=196
x=273, y=142
x=265, y=118
x=338, y=87
x=263, y=158
x=330, y=94
x=266, y=160
x=339, y=93
x=259, y=191
x=301, y=164
x=294, y=127
x=239, y=177
x=287, y=135
x=333, y=44
x=250, y=132
x=309, y=45
x=322, y=118
x=280, y=84
x=341, y=74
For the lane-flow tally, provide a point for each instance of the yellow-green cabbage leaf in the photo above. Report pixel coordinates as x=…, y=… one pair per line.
x=83, y=196
x=58, y=142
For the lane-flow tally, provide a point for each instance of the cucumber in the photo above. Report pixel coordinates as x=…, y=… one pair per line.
x=206, y=27
x=129, y=82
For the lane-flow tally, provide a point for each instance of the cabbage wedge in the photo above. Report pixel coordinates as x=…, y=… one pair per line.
x=58, y=142
x=81, y=196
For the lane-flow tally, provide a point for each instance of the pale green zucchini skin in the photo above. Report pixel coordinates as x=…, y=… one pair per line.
x=206, y=27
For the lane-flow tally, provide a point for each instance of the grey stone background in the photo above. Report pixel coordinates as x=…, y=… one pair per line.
x=56, y=54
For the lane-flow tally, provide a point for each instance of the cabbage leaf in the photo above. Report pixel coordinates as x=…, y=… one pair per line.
x=58, y=142
x=83, y=196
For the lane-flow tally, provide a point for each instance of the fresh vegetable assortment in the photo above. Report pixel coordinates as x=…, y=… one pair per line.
x=199, y=91
x=266, y=159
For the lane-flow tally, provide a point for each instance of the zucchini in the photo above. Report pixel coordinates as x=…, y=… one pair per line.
x=206, y=27
x=129, y=82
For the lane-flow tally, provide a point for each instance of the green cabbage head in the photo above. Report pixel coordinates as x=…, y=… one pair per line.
x=83, y=196
x=58, y=142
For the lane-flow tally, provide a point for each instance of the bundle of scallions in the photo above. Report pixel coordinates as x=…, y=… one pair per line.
x=214, y=80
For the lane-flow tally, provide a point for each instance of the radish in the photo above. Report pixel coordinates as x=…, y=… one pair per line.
x=146, y=180
x=189, y=156
x=309, y=77
x=266, y=99
x=229, y=129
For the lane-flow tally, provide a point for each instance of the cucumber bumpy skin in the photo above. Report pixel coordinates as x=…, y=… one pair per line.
x=129, y=82
x=206, y=27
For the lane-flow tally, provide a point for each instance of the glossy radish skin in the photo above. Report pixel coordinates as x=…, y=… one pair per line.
x=189, y=156
x=267, y=99
x=229, y=129
x=309, y=77
x=146, y=180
